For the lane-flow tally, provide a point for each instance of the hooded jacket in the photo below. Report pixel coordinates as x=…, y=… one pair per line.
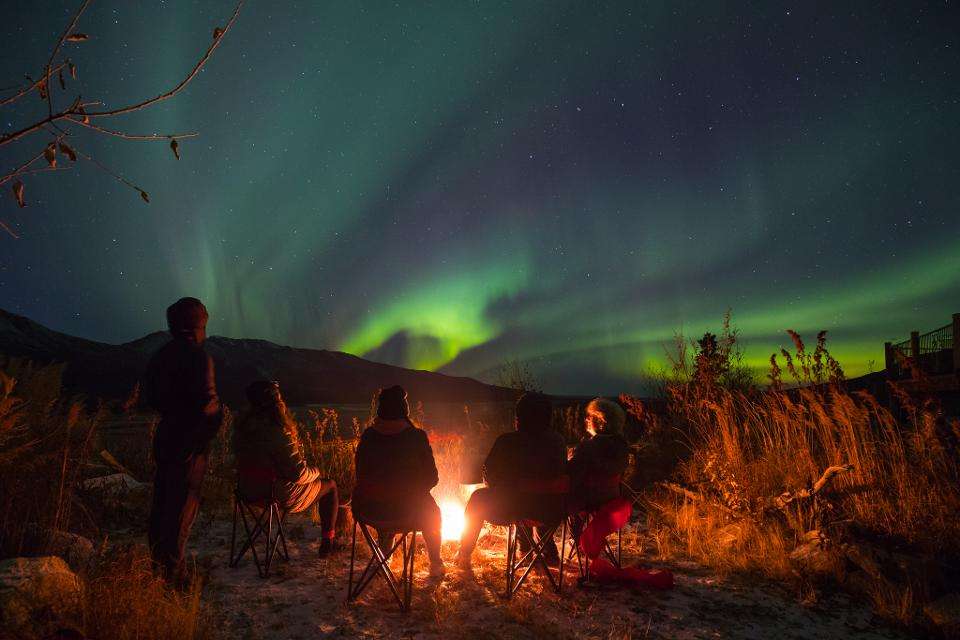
x=526, y=458
x=394, y=462
x=180, y=384
x=597, y=465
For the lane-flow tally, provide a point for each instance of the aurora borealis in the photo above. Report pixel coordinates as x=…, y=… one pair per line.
x=450, y=185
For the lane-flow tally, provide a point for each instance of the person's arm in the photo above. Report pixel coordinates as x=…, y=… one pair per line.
x=576, y=466
x=361, y=460
x=495, y=466
x=205, y=399
x=288, y=459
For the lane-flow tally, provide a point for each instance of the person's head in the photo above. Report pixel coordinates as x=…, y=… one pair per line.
x=604, y=416
x=534, y=412
x=187, y=320
x=264, y=394
x=392, y=403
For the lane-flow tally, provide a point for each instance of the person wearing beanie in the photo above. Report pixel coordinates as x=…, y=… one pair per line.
x=599, y=460
x=395, y=473
x=270, y=459
x=179, y=383
x=520, y=471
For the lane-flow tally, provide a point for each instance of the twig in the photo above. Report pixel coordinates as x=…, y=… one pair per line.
x=695, y=497
x=108, y=171
x=183, y=83
x=56, y=49
x=130, y=136
x=785, y=498
x=20, y=169
x=8, y=230
x=25, y=90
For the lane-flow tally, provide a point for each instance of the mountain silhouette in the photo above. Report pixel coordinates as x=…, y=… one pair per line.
x=307, y=376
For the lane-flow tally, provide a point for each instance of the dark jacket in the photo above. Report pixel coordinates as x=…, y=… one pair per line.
x=597, y=465
x=523, y=469
x=180, y=384
x=395, y=468
x=265, y=444
x=519, y=458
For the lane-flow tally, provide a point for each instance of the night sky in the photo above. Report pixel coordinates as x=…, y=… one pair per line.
x=450, y=185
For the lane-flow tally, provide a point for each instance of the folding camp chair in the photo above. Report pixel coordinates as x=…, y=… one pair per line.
x=259, y=518
x=521, y=531
x=522, y=565
x=396, y=536
x=612, y=553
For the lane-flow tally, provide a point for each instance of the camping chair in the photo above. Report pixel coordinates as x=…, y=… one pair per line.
x=381, y=550
x=521, y=531
x=613, y=554
x=259, y=517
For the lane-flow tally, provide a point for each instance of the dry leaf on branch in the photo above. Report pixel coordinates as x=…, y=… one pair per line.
x=175, y=146
x=73, y=69
x=77, y=37
x=18, y=193
x=145, y=196
x=42, y=89
x=217, y=32
x=68, y=151
x=50, y=154
x=63, y=85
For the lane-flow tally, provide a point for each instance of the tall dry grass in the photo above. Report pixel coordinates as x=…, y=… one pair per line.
x=44, y=443
x=747, y=447
x=45, y=449
x=124, y=600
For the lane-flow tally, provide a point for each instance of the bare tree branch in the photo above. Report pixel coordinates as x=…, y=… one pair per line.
x=56, y=49
x=183, y=83
x=130, y=136
x=30, y=87
x=111, y=173
x=77, y=115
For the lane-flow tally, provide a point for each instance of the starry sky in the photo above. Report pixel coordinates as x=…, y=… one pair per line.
x=450, y=185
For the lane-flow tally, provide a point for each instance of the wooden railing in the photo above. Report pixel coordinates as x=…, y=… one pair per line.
x=936, y=352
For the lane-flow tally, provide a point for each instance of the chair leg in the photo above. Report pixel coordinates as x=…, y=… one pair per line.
x=249, y=544
x=511, y=554
x=233, y=536
x=353, y=558
x=270, y=544
x=281, y=518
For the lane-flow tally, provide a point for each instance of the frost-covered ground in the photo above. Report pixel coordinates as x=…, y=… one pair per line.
x=305, y=598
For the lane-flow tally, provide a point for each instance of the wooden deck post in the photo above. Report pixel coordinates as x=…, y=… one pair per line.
x=915, y=350
x=956, y=343
x=888, y=360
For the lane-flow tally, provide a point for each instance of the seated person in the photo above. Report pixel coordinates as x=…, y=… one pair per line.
x=600, y=460
x=522, y=472
x=269, y=458
x=395, y=473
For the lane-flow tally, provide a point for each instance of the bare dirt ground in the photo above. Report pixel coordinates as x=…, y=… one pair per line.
x=305, y=598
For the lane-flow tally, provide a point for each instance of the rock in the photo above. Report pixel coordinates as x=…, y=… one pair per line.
x=813, y=555
x=944, y=612
x=75, y=549
x=113, y=484
x=36, y=594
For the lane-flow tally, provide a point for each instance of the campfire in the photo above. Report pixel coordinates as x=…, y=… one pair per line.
x=451, y=510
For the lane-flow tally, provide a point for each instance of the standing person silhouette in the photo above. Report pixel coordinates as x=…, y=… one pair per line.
x=179, y=383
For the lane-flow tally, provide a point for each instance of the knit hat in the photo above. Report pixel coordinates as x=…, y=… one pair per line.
x=186, y=314
x=534, y=412
x=392, y=403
